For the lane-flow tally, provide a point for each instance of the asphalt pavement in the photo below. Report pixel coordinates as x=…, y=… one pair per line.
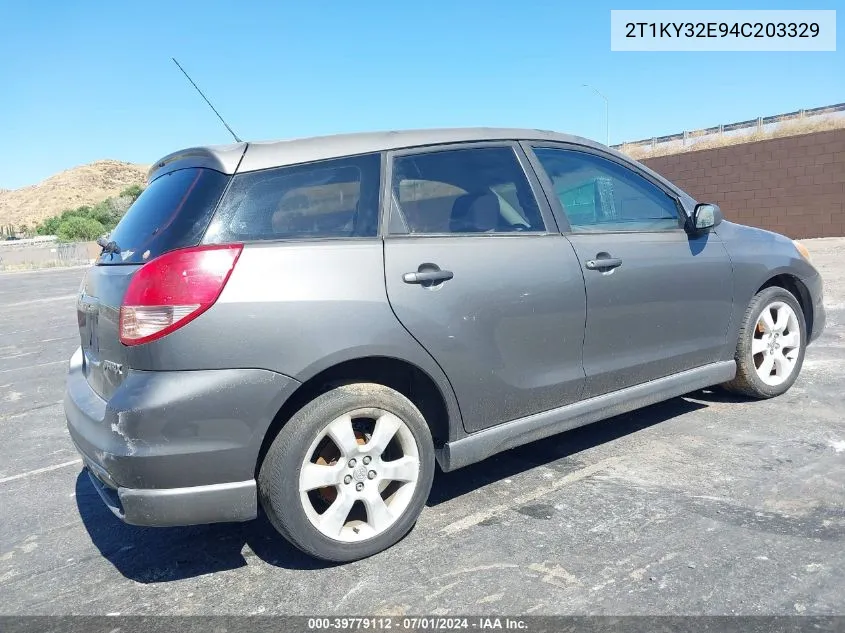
x=704, y=504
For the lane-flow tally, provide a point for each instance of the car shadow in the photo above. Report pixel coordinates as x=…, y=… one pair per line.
x=717, y=394
x=154, y=555
x=558, y=450
x=157, y=555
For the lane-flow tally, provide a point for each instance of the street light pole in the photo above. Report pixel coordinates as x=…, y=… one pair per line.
x=606, y=113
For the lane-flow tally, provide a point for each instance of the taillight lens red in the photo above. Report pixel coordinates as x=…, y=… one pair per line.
x=173, y=290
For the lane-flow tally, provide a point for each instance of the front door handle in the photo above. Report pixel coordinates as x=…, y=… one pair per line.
x=427, y=276
x=606, y=263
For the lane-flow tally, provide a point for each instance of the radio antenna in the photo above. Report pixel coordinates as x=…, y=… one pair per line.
x=206, y=100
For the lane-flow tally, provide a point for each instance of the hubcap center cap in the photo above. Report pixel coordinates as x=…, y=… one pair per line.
x=360, y=473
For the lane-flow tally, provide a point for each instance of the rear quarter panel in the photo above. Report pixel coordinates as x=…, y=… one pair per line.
x=297, y=308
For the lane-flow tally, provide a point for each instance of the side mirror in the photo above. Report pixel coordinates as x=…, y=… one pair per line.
x=704, y=217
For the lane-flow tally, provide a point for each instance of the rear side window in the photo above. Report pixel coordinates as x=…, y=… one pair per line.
x=172, y=212
x=477, y=190
x=332, y=198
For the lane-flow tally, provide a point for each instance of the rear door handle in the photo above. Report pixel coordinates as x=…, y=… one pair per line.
x=427, y=276
x=605, y=263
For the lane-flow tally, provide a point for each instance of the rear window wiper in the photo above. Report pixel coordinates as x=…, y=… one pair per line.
x=109, y=247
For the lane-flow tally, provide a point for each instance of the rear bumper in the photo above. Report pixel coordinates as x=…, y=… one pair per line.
x=213, y=503
x=175, y=448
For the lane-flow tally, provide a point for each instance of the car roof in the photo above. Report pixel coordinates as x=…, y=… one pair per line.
x=266, y=154
x=256, y=155
x=261, y=155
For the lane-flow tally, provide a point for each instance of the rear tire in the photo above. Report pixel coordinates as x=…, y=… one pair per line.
x=772, y=341
x=349, y=473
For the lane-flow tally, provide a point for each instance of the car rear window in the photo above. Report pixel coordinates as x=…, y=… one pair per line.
x=172, y=212
x=331, y=198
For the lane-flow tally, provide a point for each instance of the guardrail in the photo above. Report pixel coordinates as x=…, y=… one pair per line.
x=760, y=124
x=30, y=255
x=24, y=241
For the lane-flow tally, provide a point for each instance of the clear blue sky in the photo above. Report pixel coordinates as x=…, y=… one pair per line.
x=85, y=80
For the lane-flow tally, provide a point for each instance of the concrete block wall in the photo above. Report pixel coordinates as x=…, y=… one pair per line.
x=793, y=185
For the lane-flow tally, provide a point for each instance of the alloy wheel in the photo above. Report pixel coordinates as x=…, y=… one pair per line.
x=776, y=344
x=359, y=475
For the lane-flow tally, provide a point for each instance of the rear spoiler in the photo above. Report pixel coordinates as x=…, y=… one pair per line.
x=222, y=158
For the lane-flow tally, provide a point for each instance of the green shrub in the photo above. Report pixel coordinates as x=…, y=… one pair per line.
x=132, y=192
x=49, y=226
x=105, y=214
x=79, y=228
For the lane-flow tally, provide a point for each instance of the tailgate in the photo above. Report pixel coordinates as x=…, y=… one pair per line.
x=98, y=312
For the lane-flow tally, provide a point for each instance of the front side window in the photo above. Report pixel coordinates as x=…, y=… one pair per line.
x=600, y=195
x=332, y=198
x=475, y=190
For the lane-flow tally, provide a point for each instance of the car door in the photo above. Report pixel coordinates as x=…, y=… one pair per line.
x=478, y=273
x=658, y=299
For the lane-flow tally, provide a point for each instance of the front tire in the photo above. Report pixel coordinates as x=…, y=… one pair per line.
x=349, y=473
x=772, y=341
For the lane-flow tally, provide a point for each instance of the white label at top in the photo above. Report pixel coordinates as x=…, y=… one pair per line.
x=729, y=30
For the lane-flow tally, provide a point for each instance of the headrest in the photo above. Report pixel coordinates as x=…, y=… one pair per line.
x=475, y=213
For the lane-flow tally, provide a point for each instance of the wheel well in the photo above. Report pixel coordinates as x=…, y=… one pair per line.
x=799, y=290
x=397, y=374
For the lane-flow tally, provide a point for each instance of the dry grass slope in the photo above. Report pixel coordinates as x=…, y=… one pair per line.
x=83, y=185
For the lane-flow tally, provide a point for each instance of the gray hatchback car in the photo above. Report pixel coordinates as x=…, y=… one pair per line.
x=310, y=325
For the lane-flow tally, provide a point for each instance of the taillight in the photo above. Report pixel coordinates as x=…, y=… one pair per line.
x=173, y=290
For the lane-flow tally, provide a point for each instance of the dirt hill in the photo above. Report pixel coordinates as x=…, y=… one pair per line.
x=83, y=185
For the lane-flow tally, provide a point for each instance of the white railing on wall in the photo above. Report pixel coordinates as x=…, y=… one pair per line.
x=751, y=126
